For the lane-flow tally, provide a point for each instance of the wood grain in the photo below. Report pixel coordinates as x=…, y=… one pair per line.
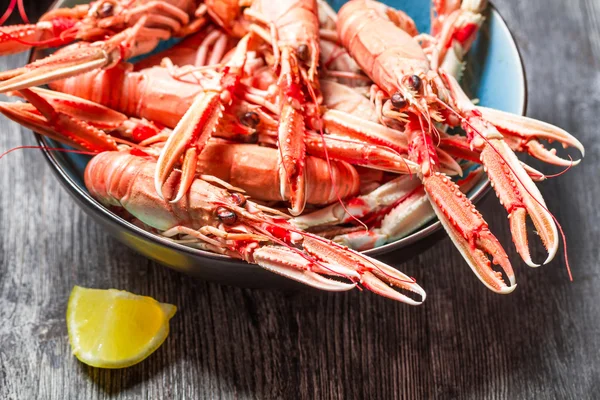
x=543, y=341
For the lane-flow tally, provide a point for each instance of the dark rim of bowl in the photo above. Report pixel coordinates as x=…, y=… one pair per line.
x=99, y=209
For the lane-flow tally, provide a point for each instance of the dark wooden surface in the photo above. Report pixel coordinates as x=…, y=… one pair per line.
x=543, y=341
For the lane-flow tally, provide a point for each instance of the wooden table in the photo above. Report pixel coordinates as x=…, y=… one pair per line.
x=543, y=341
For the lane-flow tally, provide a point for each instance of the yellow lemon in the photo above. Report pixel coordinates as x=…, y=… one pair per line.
x=114, y=328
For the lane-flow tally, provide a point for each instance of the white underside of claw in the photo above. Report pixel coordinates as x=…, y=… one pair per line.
x=534, y=174
x=35, y=79
x=361, y=240
x=413, y=213
x=474, y=6
x=376, y=283
x=407, y=217
x=331, y=215
x=293, y=266
x=453, y=65
x=334, y=214
x=533, y=200
x=402, y=220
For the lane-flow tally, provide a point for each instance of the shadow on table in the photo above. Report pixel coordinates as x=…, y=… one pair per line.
x=116, y=381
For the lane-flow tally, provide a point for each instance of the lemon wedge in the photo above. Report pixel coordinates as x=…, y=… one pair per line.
x=114, y=328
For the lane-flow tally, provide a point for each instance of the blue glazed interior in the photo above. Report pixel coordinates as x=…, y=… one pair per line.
x=494, y=75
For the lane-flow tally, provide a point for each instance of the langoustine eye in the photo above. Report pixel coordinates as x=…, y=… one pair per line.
x=415, y=82
x=250, y=119
x=105, y=10
x=303, y=52
x=238, y=199
x=226, y=216
x=398, y=101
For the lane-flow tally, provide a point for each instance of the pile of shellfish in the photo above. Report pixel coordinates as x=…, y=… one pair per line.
x=285, y=134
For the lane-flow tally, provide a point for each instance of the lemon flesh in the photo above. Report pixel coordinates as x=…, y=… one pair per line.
x=114, y=328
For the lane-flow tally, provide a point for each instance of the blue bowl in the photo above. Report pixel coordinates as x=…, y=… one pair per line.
x=494, y=75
